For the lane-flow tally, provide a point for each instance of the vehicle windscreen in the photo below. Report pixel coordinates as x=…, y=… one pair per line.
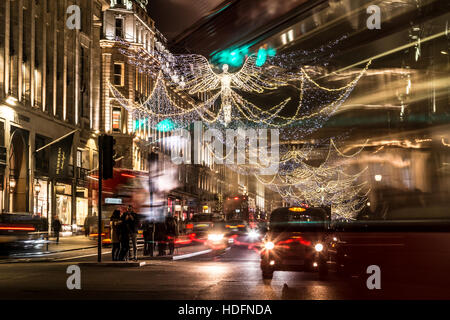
x=202, y=218
x=307, y=220
x=219, y=226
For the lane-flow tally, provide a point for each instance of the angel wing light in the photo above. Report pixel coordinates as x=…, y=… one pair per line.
x=201, y=78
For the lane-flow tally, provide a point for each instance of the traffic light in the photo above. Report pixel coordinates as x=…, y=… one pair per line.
x=107, y=145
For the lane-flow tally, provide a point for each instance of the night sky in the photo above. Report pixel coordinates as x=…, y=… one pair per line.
x=174, y=16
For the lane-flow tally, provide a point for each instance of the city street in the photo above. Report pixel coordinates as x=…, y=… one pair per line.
x=232, y=275
x=250, y=150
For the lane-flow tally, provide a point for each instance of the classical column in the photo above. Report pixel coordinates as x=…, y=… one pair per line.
x=7, y=46
x=20, y=53
x=44, y=55
x=33, y=53
x=105, y=100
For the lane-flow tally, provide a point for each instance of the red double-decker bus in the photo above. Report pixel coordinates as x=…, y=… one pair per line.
x=127, y=187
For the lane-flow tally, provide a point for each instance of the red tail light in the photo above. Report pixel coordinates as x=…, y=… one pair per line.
x=13, y=228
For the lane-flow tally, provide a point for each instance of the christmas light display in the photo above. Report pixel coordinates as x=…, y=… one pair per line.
x=194, y=75
x=325, y=185
x=187, y=89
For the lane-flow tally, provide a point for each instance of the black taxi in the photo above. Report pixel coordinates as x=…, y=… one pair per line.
x=297, y=239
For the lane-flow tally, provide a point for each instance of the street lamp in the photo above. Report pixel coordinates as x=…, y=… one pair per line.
x=12, y=184
x=378, y=177
x=37, y=189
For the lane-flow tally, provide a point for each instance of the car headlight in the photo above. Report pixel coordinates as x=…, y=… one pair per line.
x=215, y=236
x=269, y=245
x=318, y=247
x=253, y=234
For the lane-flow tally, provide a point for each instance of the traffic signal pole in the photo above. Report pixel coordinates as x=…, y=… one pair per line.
x=100, y=178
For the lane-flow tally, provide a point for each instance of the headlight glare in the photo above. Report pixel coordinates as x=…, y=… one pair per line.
x=318, y=247
x=215, y=236
x=253, y=234
x=269, y=245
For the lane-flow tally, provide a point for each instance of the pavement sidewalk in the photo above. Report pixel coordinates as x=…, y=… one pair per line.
x=80, y=242
x=185, y=248
x=70, y=243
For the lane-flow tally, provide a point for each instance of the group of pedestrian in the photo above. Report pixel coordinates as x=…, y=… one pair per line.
x=124, y=228
x=160, y=234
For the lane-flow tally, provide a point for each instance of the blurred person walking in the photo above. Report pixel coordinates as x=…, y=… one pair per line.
x=86, y=226
x=133, y=222
x=160, y=237
x=57, y=228
x=149, y=237
x=124, y=237
x=115, y=223
x=171, y=233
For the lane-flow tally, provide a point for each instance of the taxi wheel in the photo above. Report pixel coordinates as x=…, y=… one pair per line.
x=267, y=274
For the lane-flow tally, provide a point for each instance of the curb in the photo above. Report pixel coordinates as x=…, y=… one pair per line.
x=155, y=258
x=118, y=264
x=193, y=254
x=176, y=257
x=27, y=261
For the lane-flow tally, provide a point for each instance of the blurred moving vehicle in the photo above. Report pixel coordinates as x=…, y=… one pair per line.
x=408, y=242
x=218, y=237
x=201, y=225
x=241, y=234
x=22, y=231
x=297, y=240
x=237, y=227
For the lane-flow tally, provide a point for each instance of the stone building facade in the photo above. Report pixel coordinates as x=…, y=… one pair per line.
x=48, y=88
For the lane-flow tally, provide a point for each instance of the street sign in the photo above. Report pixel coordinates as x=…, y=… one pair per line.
x=113, y=201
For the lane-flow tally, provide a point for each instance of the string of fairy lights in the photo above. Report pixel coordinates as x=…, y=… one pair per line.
x=325, y=185
x=193, y=74
x=227, y=103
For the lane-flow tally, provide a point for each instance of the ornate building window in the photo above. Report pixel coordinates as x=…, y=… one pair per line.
x=119, y=74
x=116, y=119
x=119, y=28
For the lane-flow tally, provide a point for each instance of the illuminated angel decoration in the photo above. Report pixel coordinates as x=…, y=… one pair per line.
x=200, y=78
x=218, y=98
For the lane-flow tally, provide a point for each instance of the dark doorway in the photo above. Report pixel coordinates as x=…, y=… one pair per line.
x=18, y=164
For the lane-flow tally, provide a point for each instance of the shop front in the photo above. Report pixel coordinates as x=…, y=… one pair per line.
x=42, y=197
x=64, y=206
x=82, y=205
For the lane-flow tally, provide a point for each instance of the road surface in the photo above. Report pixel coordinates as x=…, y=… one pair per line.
x=234, y=274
